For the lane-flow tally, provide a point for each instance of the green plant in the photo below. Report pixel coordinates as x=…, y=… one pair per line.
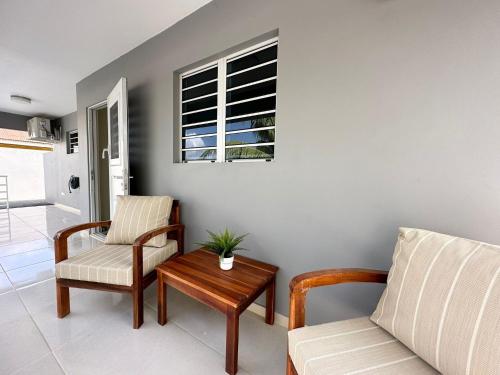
x=224, y=244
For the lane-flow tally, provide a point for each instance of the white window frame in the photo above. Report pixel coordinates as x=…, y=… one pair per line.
x=221, y=65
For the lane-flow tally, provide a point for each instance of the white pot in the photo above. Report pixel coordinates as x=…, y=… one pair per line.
x=226, y=263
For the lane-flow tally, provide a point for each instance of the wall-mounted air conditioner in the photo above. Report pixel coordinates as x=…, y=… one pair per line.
x=43, y=130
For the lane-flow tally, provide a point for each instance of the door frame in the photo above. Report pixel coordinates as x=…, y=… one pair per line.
x=93, y=167
x=119, y=174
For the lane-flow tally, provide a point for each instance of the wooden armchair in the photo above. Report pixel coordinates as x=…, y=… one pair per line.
x=139, y=282
x=300, y=285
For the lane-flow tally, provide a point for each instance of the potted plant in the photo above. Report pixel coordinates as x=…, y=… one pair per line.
x=224, y=244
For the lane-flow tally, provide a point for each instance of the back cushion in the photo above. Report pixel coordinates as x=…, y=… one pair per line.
x=136, y=215
x=442, y=301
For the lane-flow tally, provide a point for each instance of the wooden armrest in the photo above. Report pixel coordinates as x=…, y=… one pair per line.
x=300, y=285
x=66, y=232
x=143, y=238
x=61, y=237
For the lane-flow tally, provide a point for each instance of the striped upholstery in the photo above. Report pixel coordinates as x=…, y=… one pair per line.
x=112, y=264
x=136, y=215
x=443, y=301
x=355, y=346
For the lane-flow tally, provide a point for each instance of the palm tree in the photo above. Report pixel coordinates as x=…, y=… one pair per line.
x=251, y=152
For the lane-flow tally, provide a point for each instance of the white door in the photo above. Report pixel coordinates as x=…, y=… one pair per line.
x=118, y=143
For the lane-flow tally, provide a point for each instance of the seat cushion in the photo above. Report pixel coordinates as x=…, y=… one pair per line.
x=136, y=215
x=112, y=264
x=356, y=346
x=442, y=301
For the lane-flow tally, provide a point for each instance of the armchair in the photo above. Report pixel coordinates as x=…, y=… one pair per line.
x=300, y=285
x=131, y=271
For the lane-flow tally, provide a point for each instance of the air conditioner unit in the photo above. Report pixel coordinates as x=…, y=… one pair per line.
x=41, y=129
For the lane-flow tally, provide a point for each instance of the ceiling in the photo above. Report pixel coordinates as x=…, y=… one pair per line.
x=47, y=46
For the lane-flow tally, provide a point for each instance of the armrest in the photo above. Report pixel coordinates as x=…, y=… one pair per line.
x=143, y=238
x=61, y=237
x=66, y=232
x=300, y=285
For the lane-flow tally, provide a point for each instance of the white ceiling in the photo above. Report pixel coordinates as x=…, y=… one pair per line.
x=47, y=46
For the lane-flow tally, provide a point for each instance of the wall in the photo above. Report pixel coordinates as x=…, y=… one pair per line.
x=12, y=121
x=59, y=166
x=387, y=116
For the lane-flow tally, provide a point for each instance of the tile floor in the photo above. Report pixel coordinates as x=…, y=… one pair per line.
x=97, y=338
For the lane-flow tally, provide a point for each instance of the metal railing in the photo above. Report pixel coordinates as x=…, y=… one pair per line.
x=5, y=230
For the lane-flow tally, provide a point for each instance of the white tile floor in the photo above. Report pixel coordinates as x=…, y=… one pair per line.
x=97, y=337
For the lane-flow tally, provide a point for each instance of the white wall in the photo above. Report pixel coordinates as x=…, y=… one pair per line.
x=25, y=171
x=59, y=166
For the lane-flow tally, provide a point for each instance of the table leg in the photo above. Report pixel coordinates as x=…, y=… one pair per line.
x=232, y=332
x=162, y=300
x=270, y=299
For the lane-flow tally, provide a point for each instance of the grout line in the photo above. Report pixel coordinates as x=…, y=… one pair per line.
x=27, y=251
x=210, y=346
x=28, y=265
x=51, y=354
x=20, y=242
x=35, y=283
x=52, y=350
x=43, y=234
x=198, y=339
x=37, y=327
x=16, y=290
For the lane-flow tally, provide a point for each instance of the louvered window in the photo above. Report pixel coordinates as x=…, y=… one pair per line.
x=72, y=142
x=228, y=107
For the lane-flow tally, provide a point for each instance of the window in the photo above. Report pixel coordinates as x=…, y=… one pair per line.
x=228, y=107
x=72, y=142
x=113, y=129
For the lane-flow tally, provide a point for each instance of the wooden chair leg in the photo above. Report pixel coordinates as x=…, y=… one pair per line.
x=290, y=368
x=138, y=301
x=62, y=296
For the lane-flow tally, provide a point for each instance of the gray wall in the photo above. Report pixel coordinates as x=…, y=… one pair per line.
x=59, y=166
x=388, y=116
x=12, y=121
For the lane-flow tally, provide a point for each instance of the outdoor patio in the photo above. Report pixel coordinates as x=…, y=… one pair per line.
x=35, y=341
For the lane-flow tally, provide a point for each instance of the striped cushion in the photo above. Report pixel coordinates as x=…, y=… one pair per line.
x=355, y=346
x=112, y=264
x=443, y=301
x=136, y=215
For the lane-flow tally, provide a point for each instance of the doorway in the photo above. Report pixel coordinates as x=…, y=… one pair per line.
x=99, y=166
x=108, y=154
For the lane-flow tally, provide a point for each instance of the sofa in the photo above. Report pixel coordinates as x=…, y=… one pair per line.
x=439, y=313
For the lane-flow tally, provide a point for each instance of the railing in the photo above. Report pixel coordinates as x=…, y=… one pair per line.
x=5, y=232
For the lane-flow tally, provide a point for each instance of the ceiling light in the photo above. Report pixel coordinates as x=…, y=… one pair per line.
x=20, y=99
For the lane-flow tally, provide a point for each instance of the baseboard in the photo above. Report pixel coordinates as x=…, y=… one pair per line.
x=279, y=319
x=67, y=208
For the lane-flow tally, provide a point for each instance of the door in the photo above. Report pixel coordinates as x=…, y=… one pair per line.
x=118, y=143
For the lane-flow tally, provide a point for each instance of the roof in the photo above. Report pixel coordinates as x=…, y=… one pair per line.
x=19, y=138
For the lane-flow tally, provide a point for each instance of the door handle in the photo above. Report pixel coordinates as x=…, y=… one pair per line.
x=105, y=151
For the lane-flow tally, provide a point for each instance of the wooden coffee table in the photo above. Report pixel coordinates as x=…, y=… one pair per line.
x=198, y=275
